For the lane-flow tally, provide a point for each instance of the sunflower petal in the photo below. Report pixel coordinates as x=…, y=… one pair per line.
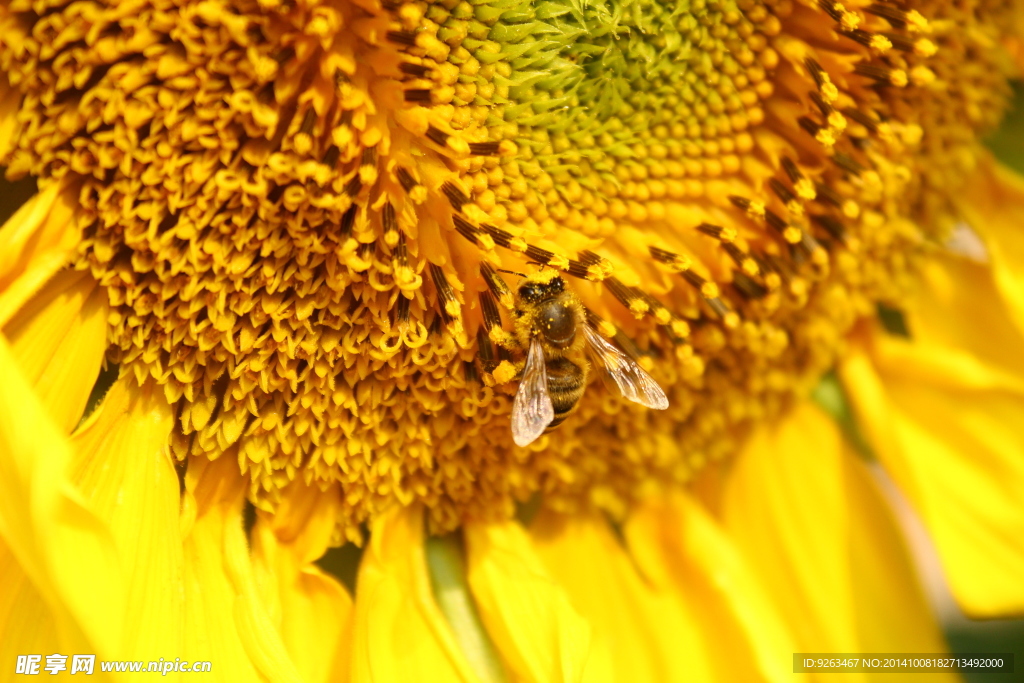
x=124, y=469
x=35, y=243
x=59, y=339
x=946, y=427
x=640, y=632
x=26, y=620
x=65, y=550
x=993, y=204
x=399, y=632
x=225, y=620
x=680, y=547
x=312, y=610
x=805, y=511
x=528, y=616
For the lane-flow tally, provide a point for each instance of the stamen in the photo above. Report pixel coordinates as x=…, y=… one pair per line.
x=497, y=286
x=448, y=305
x=456, y=197
x=406, y=38
x=414, y=70
x=489, y=148
x=884, y=75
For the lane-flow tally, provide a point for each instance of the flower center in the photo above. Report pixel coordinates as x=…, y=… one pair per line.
x=300, y=211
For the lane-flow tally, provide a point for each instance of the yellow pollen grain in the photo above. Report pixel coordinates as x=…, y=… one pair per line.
x=804, y=189
x=917, y=22
x=922, y=76
x=881, y=44
x=792, y=235
x=829, y=91
x=639, y=308
x=925, y=48
x=504, y=373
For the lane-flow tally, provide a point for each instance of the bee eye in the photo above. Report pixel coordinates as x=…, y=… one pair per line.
x=529, y=292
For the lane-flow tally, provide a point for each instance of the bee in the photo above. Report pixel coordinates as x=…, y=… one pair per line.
x=551, y=325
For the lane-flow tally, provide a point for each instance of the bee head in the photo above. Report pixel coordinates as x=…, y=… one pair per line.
x=540, y=287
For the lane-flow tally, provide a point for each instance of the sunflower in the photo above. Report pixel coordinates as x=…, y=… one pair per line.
x=260, y=308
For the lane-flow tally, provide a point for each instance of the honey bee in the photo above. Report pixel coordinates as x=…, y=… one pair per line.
x=551, y=325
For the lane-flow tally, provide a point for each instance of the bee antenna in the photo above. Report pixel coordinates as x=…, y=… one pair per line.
x=510, y=272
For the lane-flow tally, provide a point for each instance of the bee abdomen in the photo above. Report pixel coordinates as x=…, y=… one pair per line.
x=566, y=382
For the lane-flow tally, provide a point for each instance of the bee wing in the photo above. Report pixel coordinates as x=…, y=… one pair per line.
x=532, y=410
x=632, y=380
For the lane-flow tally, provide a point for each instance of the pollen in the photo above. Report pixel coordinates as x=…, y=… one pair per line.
x=310, y=218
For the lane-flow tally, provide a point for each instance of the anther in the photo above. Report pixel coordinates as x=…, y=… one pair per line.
x=330, y=158
x=437, y=135
x=539, y=255
x=748, y=287
x=497, y=286
x=742, y=259
x=449, y=306
x=466, y=229
x=285, y=55
x=502, y=238
x=353, y=186
x=578, y=269
x=485, y=351
x=489, y=148
x=862, y=118
x=628, y=297
x=456, y=197
x=781, y=191
x=848, y=163
x=831, y=225
x=407, y=38
x=405, y=179
x=400, y=250
x=402, y=313
x=419, y=95
x=677, y=262
x=895, y=77
x=414, y=70
x=348, y=219
x=492, y=317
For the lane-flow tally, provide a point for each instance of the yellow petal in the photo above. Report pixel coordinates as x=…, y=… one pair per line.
x=226, y=622
x=35, y=243
x=528, y=616
x=26, y=620
x=65, y=550
x=992, y=202
x=805, y=511
x=59, y=339
x=123, y=468
x=947, y=428
x=399, y=632
x=680, y=547
x=640, y=632
x=311, y=610
x=957, y=305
